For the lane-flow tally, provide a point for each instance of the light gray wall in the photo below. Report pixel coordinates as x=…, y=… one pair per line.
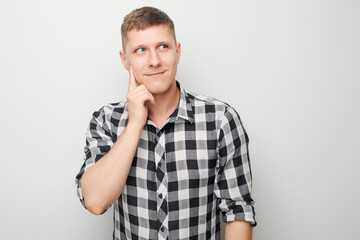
x=290, y=68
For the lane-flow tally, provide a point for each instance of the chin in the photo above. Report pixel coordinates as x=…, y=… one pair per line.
x=157, y=88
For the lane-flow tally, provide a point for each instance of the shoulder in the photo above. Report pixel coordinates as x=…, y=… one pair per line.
x=206, y=99
x=222, y=113
x=109, y=118
x=110, y=109
x=111, y=114
x=210, y=104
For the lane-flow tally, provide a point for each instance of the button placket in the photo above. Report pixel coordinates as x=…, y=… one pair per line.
x=162, y=181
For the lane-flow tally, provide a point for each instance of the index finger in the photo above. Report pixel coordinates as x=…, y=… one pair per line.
x=132, y=81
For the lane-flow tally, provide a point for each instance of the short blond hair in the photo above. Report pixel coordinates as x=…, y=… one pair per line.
x=142, y=18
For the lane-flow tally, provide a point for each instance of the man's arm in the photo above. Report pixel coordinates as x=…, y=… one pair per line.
x=103, y=182
x=233, y=181
x=238, y=230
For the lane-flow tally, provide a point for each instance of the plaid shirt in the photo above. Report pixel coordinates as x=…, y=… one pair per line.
x=182, y=175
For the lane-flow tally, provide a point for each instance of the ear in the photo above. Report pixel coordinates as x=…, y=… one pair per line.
x=178, y=51
x=124, y=60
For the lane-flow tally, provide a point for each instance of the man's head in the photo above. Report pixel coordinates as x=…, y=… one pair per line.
x=150, y=49
x=143, y=18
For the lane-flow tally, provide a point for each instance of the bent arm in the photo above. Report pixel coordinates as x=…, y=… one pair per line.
x=238, y=230
x=102, y=183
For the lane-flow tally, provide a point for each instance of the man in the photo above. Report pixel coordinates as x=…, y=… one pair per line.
x=167, y=159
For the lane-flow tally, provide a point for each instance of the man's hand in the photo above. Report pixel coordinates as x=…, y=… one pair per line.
x=137, y=98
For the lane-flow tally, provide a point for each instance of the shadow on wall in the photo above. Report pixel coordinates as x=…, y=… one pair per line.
x=222, y=226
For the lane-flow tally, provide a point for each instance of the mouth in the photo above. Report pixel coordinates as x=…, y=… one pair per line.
x=156, y=74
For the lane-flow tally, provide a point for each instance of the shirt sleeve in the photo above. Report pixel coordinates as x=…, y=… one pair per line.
x=233, y=176
x=98, y=142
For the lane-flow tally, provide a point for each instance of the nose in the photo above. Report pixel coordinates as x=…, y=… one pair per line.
x=154, y=59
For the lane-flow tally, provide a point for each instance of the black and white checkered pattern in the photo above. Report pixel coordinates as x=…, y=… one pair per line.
x=182, y=174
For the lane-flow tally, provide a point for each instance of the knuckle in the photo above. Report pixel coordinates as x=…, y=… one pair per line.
x=129, y=97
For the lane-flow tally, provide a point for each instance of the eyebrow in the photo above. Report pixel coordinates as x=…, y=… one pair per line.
x=157, y=44
x=164, y=42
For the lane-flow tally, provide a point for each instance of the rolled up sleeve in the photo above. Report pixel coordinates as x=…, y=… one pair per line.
x=98, y=142
x=233, y=182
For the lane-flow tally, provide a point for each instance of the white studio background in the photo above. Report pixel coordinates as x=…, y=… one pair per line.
x=290, y=68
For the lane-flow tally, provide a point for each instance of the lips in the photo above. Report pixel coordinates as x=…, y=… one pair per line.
x=155, y=74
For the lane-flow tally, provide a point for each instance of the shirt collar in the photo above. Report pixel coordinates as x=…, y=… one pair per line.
x=184, y=109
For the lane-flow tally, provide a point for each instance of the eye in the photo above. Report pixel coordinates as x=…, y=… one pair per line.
x=140, y=50
x=163, y=46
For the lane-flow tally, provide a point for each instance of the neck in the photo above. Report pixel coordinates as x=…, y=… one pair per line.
x=165, y=104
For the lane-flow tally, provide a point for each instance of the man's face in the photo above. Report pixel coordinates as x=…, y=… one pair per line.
x=154, y=56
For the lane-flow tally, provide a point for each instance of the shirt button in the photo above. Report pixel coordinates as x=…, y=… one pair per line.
x=162, y=228
x=160, y=196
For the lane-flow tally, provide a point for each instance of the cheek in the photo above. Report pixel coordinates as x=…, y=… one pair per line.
x=137, y=67
x=171, y=60
x=138, y=76
x=136, y=61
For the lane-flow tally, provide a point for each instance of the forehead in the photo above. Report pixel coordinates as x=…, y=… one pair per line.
x=149, y=36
